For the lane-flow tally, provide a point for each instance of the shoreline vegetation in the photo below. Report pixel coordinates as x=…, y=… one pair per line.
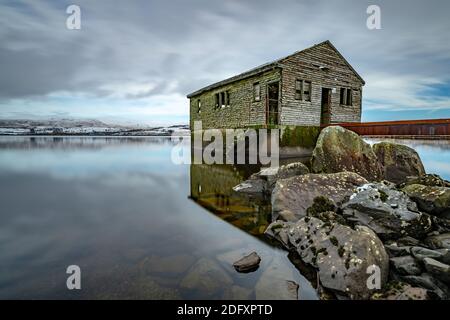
x=366, y=221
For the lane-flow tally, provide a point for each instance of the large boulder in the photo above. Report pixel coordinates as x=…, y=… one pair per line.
x=431, y=199
x=387, y=211
x=341, y=254
x=398, y=161
x=264, y=180
x=339, y=149
x=292, y=197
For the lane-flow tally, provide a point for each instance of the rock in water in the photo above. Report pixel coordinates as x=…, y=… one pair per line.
x=248, y=263
x=264, y=180
x=342, y=255
x=398, y=161
x=338, y=149
x=389, y=212
x=433, y=200
x=292, y=197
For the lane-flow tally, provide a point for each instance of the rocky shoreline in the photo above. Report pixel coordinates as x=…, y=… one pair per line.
x=368, y=220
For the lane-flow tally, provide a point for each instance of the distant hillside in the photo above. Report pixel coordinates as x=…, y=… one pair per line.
x=84, y=127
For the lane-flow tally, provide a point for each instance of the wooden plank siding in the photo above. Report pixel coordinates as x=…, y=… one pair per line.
x=305, y=65
x=322, y=65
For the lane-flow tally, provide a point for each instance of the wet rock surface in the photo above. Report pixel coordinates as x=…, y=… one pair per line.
x=389, y=212
x=248, y=263
x=398, y=161
x=338, y=149
x=292, y=197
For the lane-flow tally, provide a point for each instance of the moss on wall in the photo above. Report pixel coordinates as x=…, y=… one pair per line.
x=299, y=136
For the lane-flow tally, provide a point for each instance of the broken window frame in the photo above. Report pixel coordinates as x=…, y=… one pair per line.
x=217, y=98
x=346, y=96
x=300, y=93
x=298, y=89
x=256, y=92
x=306, y=96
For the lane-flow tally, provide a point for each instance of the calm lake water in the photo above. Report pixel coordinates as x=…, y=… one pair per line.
x=139, y=226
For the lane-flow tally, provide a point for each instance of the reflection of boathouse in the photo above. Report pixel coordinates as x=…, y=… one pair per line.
x=212, y=188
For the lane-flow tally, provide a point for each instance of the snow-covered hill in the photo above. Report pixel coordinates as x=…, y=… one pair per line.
x=85, y=127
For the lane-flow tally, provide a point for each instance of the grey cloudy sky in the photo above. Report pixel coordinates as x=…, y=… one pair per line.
x=135, y=61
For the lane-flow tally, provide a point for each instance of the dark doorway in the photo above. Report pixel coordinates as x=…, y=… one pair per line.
x=325, y=106
x=272, y=103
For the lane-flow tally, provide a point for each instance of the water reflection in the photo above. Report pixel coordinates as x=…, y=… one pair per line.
x=211, y=187
x=119, y=208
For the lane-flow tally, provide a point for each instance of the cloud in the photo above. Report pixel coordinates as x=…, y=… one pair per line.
x=140, y=56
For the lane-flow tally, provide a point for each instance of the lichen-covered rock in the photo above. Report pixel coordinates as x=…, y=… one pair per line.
x=341, y=254
x=433, y=200
x=264, y=181
x=339, y=149
x=389, y=212
x=292, y=197
x=437, y=289
x=432, y=180
x=398, y=161
x=401, y=291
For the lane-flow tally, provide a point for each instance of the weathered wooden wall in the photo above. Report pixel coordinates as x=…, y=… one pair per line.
x=304, y=65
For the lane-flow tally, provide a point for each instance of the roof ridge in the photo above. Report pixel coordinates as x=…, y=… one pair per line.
x=267, y=66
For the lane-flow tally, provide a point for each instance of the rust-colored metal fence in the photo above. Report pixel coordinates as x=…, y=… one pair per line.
x=434, y=128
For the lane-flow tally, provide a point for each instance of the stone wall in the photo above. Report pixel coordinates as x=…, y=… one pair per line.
x=242, y=112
